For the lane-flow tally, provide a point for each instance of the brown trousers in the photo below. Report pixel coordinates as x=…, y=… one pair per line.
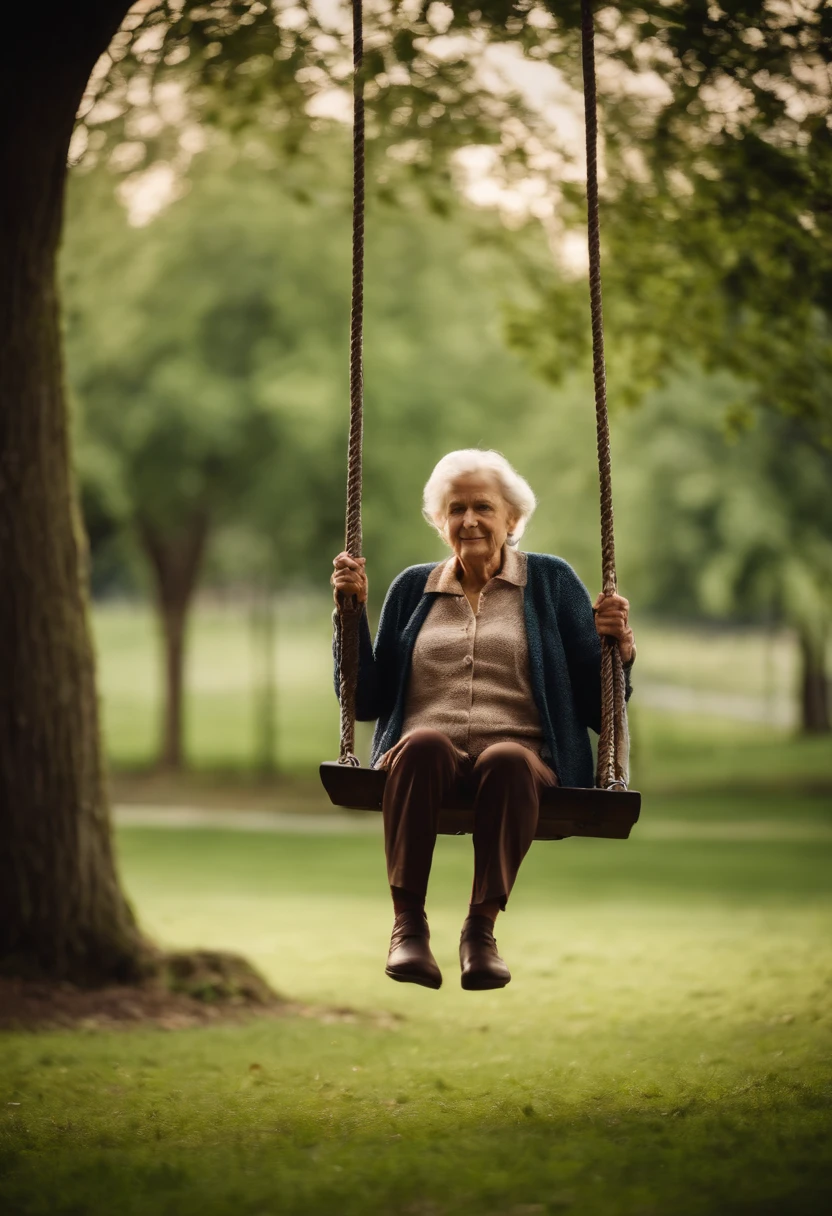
x=507, y=780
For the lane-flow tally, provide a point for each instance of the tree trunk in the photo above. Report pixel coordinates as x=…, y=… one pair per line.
x=264, y=638
x=171, y=749
x=175, y=560
x=62, y=912
x=814, y=686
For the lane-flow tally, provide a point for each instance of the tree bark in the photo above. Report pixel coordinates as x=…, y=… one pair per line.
x=175, y=561
x=814, y=686
x=62, y=912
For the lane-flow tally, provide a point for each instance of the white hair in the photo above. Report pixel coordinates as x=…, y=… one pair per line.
x=516, y=491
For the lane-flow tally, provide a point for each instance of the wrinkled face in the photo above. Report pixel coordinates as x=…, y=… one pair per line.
x=478, y=518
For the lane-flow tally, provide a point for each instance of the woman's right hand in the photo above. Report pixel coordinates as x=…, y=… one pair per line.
x=349, y=577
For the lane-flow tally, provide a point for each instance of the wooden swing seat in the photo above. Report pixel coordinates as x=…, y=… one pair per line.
x=564, y=811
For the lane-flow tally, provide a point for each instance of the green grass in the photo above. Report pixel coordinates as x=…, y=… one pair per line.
x=663, y=1048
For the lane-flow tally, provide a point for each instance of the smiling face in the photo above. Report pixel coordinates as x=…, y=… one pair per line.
x=478, y=518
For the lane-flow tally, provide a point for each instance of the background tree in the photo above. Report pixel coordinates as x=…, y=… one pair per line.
x=729, y=523
x=738, y=526
x=717, y=232
x=206, y=355
x=189, y=342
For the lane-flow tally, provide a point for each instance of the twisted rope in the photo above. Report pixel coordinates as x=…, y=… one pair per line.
x=349, y=610
x=613, y=744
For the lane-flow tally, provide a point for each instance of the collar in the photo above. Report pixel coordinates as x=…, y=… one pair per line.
x=443, y=578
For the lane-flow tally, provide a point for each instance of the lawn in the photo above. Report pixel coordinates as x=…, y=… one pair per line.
x=664, y=1046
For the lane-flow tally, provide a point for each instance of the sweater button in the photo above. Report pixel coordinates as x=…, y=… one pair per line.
x=469, y=662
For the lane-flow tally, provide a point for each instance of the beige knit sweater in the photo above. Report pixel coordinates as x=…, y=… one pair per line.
x=470, y=671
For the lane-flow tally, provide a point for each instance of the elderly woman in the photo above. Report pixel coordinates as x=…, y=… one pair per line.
x=485, y=670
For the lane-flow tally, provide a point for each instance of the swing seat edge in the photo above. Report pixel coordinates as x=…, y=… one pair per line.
x=564, y=810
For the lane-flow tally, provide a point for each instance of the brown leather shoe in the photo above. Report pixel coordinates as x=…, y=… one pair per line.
x=482, y=966
x=410, y=959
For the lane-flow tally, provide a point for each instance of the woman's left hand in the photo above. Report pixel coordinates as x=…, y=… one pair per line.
x=611, y=620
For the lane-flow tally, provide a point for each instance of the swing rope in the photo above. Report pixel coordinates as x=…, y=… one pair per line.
x=613, y=743
x=349, y=610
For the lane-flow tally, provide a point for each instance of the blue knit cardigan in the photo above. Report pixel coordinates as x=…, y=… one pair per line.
x=564, y=661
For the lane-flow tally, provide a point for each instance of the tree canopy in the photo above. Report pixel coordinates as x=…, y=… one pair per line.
x=717, y=150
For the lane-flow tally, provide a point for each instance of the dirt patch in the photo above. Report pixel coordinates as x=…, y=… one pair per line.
x=37, y=1005
x=201, y=988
